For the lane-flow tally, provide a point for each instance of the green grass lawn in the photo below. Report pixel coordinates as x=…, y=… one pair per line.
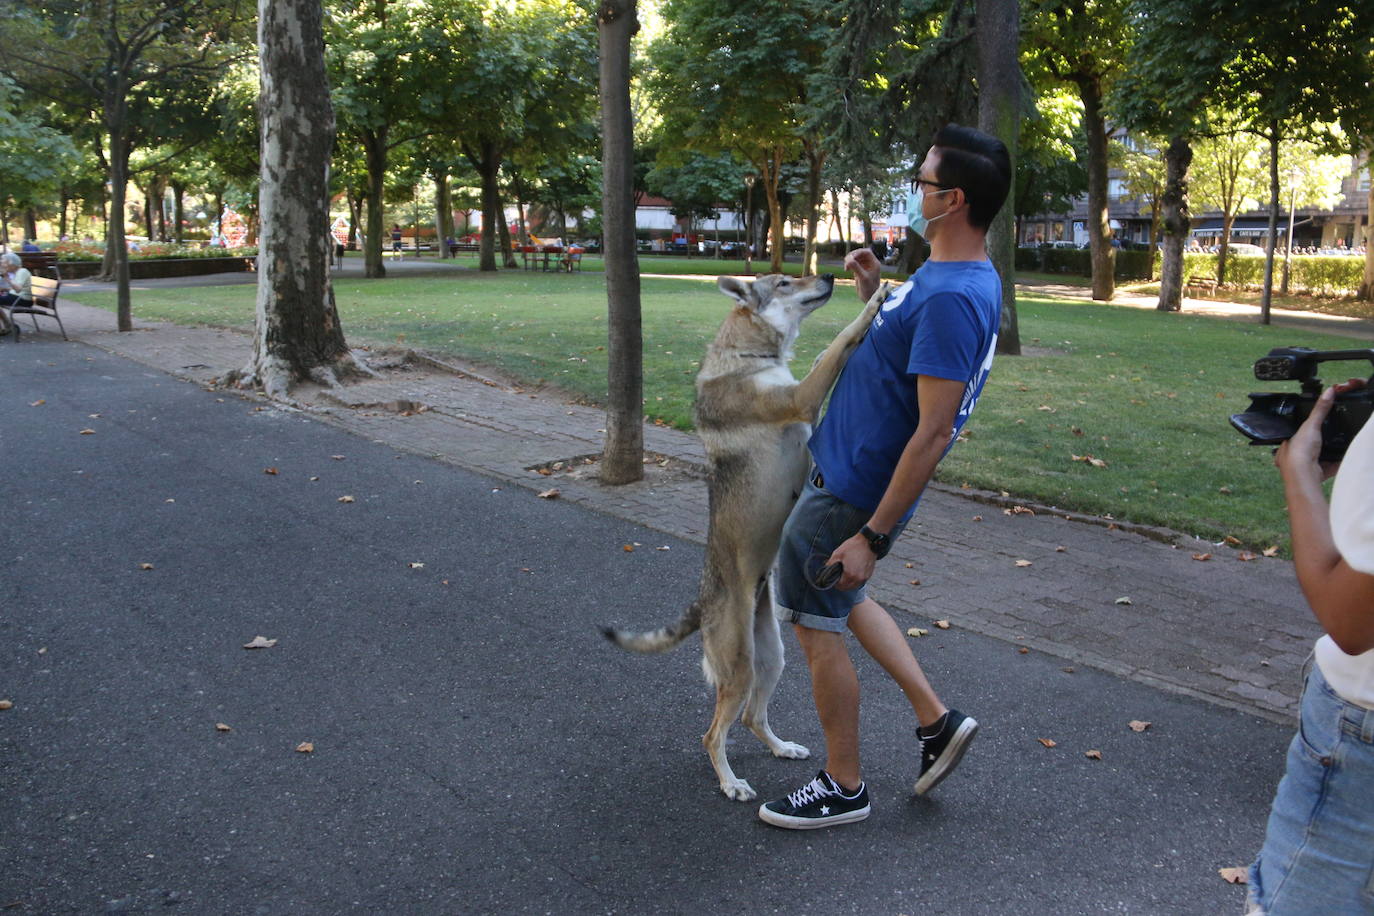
x=1147, y=392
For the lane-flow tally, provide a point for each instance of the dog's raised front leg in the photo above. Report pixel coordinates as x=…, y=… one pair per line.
x=811, y=391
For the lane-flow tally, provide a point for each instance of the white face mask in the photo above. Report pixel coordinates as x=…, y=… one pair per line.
x=915, y=209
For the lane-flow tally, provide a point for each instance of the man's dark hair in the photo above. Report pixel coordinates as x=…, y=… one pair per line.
x=979, y=165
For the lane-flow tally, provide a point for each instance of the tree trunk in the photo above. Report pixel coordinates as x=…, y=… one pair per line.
x=116, y=251
x=355, y=212
x=1228, y=219
x=1099, y=225
x=30, y=224
x=297, y=333
x=1177, y=222
x=158, y=186
x=622, y=459
x=374, y=152
x=505, y=247
x=443, y=214
x=1367, y=286
x=999, y=114
x=771, y=180
x=488, y=164
x=178, y=211
x=815, y=161
x=1266, y=298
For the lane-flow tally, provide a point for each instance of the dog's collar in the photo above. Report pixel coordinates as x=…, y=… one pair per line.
x=757, y=355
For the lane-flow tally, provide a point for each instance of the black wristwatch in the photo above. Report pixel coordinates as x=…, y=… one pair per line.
x=880, y=544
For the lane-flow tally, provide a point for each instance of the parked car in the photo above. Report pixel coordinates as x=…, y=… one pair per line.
x=1245, y=249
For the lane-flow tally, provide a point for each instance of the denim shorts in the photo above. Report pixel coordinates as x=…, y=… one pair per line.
x=820, y=522
x=1318, y=853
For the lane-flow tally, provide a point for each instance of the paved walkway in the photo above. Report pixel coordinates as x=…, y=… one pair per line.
x=1091, y=591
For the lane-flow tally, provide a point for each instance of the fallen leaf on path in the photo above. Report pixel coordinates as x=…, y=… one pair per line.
x=1048, y=742
x=1123, y=600
x=978, y=518
x=628, y=548
x=664, y=547
x=1061, y=549
x=346, y=499
x=1202, y=557
x=6, y=704
x=1022, y=651
x=942, y=624
x=550, y=494
x=1023, y=563
x=1271, y=551
x=916, y=632
x=1019, y=510
x=1067, y=670
x=88, y=432
x=38, y=403
x=1234, y=875
x=305, y=747
x=1093, y=755
x=1246, y=556
x=272, y=471
x=145, y=566
x=337, y=457
x=260, y=642
x=1232, y=541
x=221, y=727
x=1138, y=726
x=416, y=565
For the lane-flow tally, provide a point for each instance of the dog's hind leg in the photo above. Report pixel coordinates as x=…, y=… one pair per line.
x=728, y=647
x=768, y=664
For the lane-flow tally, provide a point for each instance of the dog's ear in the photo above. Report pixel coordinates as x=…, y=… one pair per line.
x=737, y=289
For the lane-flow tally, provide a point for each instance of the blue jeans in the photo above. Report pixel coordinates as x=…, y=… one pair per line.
x=1318, y=854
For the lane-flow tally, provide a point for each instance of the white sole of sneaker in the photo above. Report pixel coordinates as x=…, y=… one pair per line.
x=963, y=735
x=812, y=823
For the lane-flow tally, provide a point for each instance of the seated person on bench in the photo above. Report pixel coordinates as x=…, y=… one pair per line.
x=16, y=287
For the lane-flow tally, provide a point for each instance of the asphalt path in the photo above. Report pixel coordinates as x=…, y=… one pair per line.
x=478, y=747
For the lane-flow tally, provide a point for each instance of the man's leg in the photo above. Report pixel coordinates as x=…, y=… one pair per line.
x=835, y=688
x=945, y=733
x=881, y=638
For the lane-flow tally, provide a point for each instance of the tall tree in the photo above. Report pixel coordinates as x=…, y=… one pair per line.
x=622, y=459
x=297, y=335
x=121, y=60
x=1229, y=176
x=999, y=114
x=1082, y=43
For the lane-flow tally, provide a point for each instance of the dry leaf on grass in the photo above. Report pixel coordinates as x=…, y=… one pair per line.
x=1048, y=742
x=1235, y=875
x=346, y=499
x=221, y=727
x=1138, y=726
x=1089, y=459
x=550, y=494
x=1093, y=755
x=942, y=624
x=260, y=642
x=1232, y=541
x=305, y=747
x=1271, y=551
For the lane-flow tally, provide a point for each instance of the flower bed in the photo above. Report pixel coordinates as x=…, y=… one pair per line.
x=77, y=260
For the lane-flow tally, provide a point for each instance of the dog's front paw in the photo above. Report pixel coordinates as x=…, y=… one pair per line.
x=738, y=790
x=791, y=751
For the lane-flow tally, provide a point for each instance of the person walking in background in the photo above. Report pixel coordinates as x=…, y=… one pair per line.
x=1318, y=852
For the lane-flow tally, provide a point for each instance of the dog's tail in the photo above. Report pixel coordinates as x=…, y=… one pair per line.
x=660, y=640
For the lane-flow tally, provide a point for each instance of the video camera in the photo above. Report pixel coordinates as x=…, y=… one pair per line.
x=1275, y=417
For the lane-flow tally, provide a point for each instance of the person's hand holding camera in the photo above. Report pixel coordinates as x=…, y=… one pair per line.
x=1298, y=455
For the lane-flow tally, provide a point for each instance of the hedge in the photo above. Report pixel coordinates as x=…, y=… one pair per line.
x=1318, y=274
x=1130, y=265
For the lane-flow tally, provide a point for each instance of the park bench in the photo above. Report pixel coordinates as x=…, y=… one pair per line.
x=40, y=263
x=464, y=246
x=1205, y=284
x=44, y=304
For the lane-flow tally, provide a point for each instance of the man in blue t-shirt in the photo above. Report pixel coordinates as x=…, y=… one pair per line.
x=896, y=409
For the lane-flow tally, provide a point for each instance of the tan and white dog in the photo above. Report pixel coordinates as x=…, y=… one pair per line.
x=755, y=419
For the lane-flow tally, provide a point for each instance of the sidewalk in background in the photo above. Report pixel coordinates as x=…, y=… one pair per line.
x=1121, y=598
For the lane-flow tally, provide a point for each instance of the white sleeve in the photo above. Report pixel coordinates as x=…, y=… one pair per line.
x=1352, y=503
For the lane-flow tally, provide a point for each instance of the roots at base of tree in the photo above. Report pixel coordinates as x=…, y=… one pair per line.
x=277, y=379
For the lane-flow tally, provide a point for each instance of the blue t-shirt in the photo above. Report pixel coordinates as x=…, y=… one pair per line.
x=941, y=322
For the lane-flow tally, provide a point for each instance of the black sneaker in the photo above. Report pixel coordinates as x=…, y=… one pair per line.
x=819, y=803
x=941, y=752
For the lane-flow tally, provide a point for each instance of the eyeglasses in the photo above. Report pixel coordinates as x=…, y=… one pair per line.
x=933, y=184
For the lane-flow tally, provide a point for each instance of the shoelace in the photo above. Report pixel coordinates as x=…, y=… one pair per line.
x=812, y=791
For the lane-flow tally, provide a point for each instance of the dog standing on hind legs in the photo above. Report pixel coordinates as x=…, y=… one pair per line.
x=754, y=419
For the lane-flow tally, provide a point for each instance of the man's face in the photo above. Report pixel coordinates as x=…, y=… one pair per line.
x=939, y=199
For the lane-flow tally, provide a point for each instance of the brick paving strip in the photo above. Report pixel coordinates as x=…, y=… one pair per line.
x=1121, y=598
